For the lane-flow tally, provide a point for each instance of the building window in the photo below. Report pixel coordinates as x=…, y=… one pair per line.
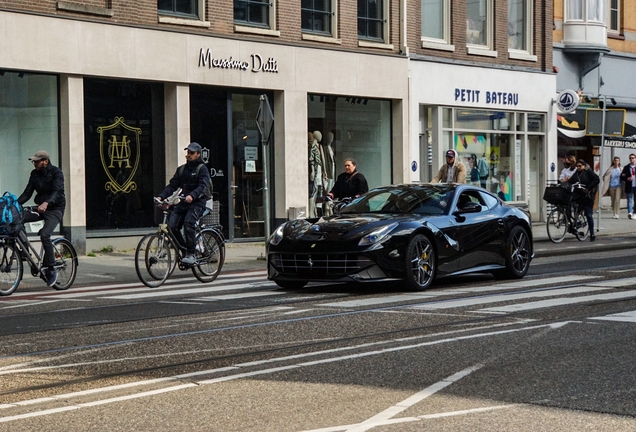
x=371, y=20
x=585, y=10
x=520, y=25
x=183, y=8
x=479, y=23
x=614, y=16
x=253, y=12
x=436, y=21
x=316, y=16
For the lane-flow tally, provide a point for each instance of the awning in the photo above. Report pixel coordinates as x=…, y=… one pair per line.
x=572, y=126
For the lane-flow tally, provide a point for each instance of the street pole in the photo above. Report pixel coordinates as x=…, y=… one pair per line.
x=600, y=161
x=265, y=121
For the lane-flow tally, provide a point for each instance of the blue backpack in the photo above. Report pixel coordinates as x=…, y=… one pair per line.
x=10, y=214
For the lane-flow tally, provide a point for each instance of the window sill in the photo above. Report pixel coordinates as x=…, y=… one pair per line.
x=521, y=55
x=367, y=44
x=318, y=38
x=256, y=30
x=183, y=21
x=80, y=8
x=442, y=46
x=481, y=51
x=612, y=35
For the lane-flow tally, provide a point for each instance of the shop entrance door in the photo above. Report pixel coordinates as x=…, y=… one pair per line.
x=247, y=169
x=536, y=177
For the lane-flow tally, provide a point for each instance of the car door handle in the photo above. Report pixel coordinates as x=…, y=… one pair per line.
x=500, y=222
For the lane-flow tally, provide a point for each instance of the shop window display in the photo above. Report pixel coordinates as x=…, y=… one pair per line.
x=346, y=127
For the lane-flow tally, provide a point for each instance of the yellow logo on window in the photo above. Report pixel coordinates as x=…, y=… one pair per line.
x=119, y=155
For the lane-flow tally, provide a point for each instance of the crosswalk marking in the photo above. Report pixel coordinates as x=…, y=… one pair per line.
x=380, y=300
x=622, y=316
x=240, y=295
x=183, y=291
x=563, y=301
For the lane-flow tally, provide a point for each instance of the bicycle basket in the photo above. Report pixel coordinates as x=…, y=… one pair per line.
x=556, y=195
x=212, y=218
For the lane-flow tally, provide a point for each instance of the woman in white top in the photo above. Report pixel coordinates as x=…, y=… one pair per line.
x=612, y=184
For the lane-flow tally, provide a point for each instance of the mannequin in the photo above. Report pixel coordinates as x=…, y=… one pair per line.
x=329, y=162
x=315, y=171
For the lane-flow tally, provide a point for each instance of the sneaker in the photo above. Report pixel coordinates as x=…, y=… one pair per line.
x=629, y=215
x=615, y=216
x=592, y=237
x=51, y=277
x=188, y=259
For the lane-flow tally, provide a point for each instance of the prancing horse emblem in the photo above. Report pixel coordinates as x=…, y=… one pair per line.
x=310, y=262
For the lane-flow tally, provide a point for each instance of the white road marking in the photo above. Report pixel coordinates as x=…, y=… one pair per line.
x=182, y=291
x=563, y=301
x=378, y=300
x=240, y=295
x=449, y=304
x=621, y=316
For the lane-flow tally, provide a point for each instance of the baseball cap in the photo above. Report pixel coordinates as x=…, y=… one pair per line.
x=193, y=147
x=450, y=153
x=40, y=155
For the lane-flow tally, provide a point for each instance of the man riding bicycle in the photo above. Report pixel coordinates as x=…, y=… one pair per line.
x=588, y=178
x=188, y=211
x=48, y=182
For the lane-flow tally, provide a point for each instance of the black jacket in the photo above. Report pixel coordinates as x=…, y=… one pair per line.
x=189, y=182
x=627, y=173
x=49, y=187
x=590, y=180
x=349, y=185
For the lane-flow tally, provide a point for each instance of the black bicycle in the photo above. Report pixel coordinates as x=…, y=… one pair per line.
x=15, y=250
x=567, y=216
x=159, y=253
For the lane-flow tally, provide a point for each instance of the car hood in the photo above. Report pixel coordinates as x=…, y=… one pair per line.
x=344, y=227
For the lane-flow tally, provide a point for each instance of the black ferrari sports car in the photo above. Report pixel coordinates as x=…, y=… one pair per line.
x=413, y=232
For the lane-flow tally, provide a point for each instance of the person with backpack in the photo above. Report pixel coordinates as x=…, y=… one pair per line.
x=47, y=181
x=194, y=180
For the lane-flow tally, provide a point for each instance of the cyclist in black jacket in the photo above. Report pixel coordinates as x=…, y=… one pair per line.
x=188, y=211
x=48, y=182
x=588, y=178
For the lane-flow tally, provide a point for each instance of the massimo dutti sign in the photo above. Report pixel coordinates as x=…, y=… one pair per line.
x=256, y=63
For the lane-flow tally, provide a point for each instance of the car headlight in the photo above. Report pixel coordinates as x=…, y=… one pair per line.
x=377, y=235
x=277, y=236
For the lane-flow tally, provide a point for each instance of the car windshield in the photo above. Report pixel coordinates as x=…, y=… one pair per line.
x=420, y=199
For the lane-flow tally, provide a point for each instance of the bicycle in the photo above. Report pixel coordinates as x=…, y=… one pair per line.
x=158, y=254
x=567, y=216
x=334, y=205
x=17, y=249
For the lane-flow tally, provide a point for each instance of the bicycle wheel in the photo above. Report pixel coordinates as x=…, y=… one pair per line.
x=65, y=263
x=582, y=228
x=210, y=255
x=10, y=268
x=153, y=259
x=557, y=225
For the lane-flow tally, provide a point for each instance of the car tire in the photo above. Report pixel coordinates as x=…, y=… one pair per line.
x=420, y=263
x=518, y=253
x=291, y=284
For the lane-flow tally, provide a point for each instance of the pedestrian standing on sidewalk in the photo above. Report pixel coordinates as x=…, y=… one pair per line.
x=629, y=177
x=588, y=178
x=612, y=185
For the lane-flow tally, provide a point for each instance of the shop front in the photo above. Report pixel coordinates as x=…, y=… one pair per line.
x=497, y=121
x=118, y=128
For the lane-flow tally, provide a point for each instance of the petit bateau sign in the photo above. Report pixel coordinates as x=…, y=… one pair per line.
x=256, y=63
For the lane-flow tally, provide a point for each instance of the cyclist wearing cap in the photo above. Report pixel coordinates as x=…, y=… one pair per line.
x=453, y=171
x=48, y=183
x=188, y=211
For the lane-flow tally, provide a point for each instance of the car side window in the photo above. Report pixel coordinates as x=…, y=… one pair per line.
x=471, y=196
x=489, y=200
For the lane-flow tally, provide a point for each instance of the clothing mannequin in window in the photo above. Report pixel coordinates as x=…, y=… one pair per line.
x=315, y=171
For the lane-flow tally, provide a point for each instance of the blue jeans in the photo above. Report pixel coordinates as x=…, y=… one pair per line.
x=630, y=200
x=186, y=215
x=589, y=214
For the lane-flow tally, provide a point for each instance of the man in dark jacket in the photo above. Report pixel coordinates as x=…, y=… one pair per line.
x=188, y=211
x=351, y=183
x=48, y=183
x=629, y=177
x=588, y=178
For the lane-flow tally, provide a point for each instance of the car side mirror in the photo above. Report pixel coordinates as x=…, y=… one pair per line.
x=469, y=207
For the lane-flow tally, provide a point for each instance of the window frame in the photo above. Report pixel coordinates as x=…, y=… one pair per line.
x=618, y=11
x=527, y=52
x=255, y=27
x=584, y=12
x=486, y=49
x=332, y=19
x=385, y=24
x=437, y=43
x=199, y=6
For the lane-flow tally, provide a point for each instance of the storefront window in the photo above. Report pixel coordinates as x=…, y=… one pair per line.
x=28, y=123
x=124, y=151
x=347, y=127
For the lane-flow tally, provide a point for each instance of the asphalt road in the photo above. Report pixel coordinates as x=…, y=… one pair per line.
x=553, y=351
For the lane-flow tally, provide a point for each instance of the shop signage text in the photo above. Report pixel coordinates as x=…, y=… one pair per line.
x=489, y=97
x=255, y=64
x=620, y=143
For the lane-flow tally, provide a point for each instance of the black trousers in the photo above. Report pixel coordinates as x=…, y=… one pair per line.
x=52, y=219
x=186, y=215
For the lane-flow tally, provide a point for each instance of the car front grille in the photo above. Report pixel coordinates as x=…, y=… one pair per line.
x=320, y=266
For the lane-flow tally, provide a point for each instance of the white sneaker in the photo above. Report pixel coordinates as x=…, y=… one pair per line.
x=629, y=215
x=615, y=216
